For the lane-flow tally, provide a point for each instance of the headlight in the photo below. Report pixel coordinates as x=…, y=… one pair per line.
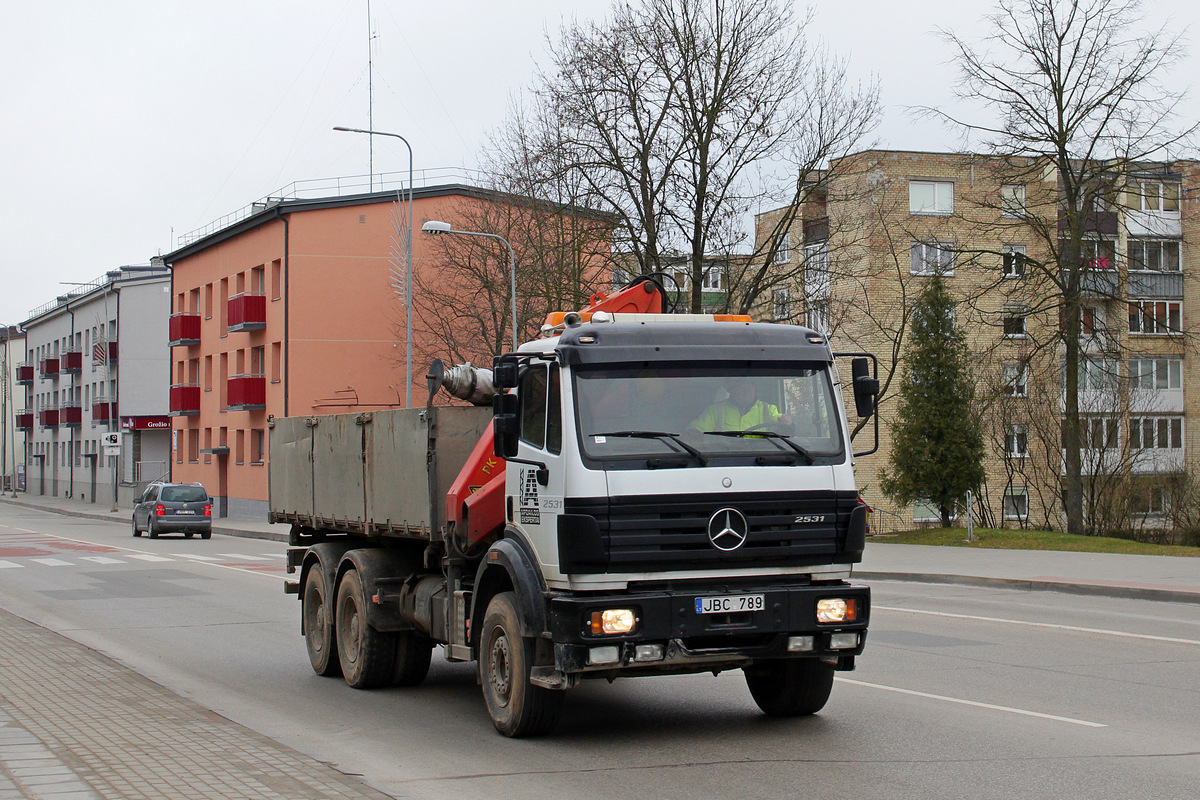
x=613, y=621
x=837, y=609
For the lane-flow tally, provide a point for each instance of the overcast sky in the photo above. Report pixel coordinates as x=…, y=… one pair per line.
x=126, y=124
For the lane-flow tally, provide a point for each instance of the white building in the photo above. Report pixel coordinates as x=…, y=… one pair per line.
x=12, y=454
x=97, y=363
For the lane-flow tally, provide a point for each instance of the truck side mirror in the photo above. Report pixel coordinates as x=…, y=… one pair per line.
x=866, y=388
x=505, y=372
x=506, y=425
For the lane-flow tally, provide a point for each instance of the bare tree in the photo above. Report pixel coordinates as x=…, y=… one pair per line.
x=681, y=116
x=1077, y=94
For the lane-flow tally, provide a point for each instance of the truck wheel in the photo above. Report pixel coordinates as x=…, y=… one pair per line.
x=517, y=707
x=792, y=687
x=413, y=653
x=366, y=655
x=319, y=638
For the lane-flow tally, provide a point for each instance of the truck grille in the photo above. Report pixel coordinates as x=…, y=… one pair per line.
x=671, y=533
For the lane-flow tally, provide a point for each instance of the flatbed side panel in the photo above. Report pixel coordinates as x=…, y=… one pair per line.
x=339, y=495
x=457, y=431
x=396, y=478
x=290, y=482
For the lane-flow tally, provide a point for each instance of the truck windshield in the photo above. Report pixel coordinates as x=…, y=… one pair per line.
x=679, y=415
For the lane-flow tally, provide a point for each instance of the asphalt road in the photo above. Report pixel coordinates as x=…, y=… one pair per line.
x=962, y=692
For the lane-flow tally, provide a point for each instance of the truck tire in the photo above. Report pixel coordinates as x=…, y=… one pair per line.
x=792, y=687
x=366, y=655
x=516, y=706
x=413, y=654
x=319, y=637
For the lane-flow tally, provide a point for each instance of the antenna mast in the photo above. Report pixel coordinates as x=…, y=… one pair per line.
x=370, y=103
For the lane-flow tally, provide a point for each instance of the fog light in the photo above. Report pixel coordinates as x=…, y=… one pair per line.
x=843, y=641
x=800, y=644
x=612, y=621
x=648, y=652
x=604, y=655
x=837, y=609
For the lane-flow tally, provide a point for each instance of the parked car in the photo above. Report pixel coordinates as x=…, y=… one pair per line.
x=173, y=507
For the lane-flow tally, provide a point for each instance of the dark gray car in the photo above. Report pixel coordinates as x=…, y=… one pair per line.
x=173, y=507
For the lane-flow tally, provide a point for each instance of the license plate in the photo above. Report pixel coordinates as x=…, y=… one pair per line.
x=185, y=511
x=730, y=605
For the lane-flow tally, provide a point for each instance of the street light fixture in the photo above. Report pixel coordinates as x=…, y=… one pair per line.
x=408, y=277
x=436, y=227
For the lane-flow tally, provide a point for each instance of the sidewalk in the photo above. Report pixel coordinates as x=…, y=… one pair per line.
x=1165, y=578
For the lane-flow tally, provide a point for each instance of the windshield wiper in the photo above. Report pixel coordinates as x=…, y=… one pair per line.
x=772, y=435
x=674, y=437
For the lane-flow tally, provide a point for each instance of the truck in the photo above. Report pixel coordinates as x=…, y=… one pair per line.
x=605, y=503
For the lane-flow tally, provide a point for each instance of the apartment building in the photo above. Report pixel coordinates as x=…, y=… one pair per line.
x=12, y=455
x=96, y=363
x=891, y=219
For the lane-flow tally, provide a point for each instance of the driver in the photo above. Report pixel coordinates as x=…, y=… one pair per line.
x=741, y=411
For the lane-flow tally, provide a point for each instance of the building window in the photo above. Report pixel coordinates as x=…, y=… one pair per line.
x=1016, y=441
x=193, y=448
x=276, y=279
x=779, y=304
x=258, y=446
x=1153, y=196
x=1157, y=317
x=783, y=249
x=1098, y=375
x=1098, y=253
x=1155, y=374
x=932, y=258
x=1013, y=265
x=1016, y=503
x=1152, y=254
x=930, y=197
x=1099, y=433
x=1014, y=380
x=1012, y=201
x=1014, y=323
x=1150, y=501
x=817, y=317
x=1156, y=433
x=712, y=280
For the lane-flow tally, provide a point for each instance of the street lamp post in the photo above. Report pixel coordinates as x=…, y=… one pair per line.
x=436, y=227
x=408, y=277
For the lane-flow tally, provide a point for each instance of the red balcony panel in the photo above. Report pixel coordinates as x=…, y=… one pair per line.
x=102, y=411
x=71, y=361
x=247, y=312
x=25, y=374
x=112, y=352
x=185, y=399
x=184, y=329
x=48, y=367
x=70, y=415
x=246, y=392
x=24, y=420
x=48, y=417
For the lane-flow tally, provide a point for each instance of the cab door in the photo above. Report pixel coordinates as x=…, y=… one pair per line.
x=537, y=488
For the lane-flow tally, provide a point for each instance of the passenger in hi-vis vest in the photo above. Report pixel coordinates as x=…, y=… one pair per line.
x=741, y=411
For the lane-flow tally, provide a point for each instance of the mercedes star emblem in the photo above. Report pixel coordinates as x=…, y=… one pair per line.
x=728, y=529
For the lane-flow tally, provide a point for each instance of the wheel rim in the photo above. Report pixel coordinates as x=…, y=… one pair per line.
x=315, y=623
x=500, y=668
x=350, y=629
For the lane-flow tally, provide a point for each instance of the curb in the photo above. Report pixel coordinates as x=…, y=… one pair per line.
x=1127, y=592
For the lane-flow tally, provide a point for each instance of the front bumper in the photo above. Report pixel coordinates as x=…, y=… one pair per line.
x=786, y=627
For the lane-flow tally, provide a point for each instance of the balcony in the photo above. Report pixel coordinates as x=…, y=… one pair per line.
x=48, y=417
x=1097, y=281
x=246, y=393
x=71, y=362
x=24, y=374
x=24, y=420
x=247, y=312
x=1101, y=222
x=185, y=400
x=48, y=367
x=1164, y=285
x=103, y=411
x=184, y=329
x=70, y=414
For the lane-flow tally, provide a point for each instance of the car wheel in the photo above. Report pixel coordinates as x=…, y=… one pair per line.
x=793, y=687
x=136, y=532
x=152, y=530
x=188, y=534
x=206, y=534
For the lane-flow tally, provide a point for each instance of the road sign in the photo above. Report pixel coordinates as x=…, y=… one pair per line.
x=112, y=444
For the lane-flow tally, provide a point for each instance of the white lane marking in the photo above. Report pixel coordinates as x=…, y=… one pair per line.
x=147, y=557
x=195, y=557
x=25, y=530
x=240, y=557
x=275, y=555
x=103, y=560
x=987, y=706
x=1051, y=625
x=52, y=562
x=9, y=564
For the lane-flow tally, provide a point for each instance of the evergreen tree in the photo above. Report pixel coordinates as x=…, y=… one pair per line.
x=937, y=440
